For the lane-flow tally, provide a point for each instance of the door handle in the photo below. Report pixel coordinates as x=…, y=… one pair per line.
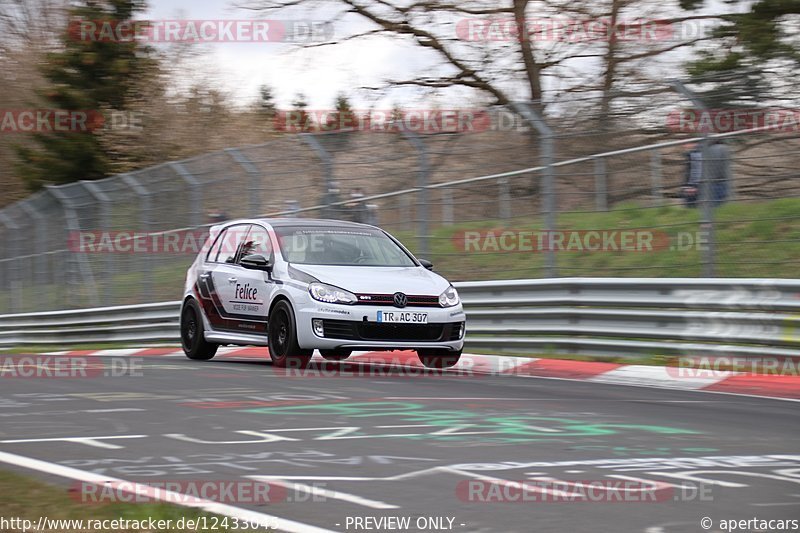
x=204, y=276
x=232, y=280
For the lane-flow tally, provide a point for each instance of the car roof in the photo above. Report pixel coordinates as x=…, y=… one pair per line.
x=301, y=222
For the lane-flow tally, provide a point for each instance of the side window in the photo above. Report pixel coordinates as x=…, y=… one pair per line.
x=231, y=242
x=257, y=242
x=214, y=251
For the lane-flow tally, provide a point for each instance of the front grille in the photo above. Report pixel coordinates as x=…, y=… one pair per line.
x=388, y=299
x=373, y=331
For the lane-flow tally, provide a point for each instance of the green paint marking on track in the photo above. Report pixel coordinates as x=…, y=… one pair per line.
x=459, y=425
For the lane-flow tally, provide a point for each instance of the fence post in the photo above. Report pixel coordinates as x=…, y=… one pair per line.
x=39, y=267
x=505, y=199
x=331, y=196
x=144, y=220
x=655, y=177
x=447, y=206
x=600, y=184
x=196, y=195
x=12, y=266
x=707, y=208
x=422, y=211
x=79, y=258
x=105, y=222
x=404, y=201
x=731, y=178
x=547, y=155
x=255, y=179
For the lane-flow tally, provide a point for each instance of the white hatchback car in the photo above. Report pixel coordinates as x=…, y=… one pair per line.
x=297, y=285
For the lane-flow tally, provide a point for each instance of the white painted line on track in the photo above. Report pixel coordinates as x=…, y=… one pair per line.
x=660, y=376
x=325, y=493
x=97, y=442
x=651, y=386
x=281, y=524
x=118, y=352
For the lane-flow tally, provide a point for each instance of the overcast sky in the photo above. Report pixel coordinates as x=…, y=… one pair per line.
x=320, y=73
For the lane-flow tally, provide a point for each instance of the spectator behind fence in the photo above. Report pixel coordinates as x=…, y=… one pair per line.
x=693, y=174
x=356, y=209
x=217, y=216
x=719, y=171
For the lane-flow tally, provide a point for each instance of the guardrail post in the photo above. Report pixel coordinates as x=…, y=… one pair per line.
x=655, y=177
x=196, y=195
x=422, y=214
x=707, y=207
x=255, y=179
x=144, y=220
x=73, y=225
x=600, y=184
x=547, y=155
x=331, y=195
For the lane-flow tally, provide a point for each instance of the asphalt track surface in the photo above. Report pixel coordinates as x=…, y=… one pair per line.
x=390, y=443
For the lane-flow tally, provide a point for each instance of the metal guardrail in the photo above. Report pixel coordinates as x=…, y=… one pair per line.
x=590, y=316
x=630, y=316
x=127, y=323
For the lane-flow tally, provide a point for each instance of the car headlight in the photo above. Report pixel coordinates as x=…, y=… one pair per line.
x=330, y=294
x=449, y=298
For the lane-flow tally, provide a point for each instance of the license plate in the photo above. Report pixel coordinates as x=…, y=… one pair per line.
x=402, y=317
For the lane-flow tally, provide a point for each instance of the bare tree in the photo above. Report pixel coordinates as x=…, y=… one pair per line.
x=497, y=49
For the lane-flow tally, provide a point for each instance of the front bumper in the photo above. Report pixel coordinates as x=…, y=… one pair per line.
x=357, y=327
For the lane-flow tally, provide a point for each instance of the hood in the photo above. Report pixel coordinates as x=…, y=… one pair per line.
x=379, y=280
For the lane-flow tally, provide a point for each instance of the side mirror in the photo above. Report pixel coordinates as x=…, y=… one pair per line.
x=427, y=264
x=256, y=262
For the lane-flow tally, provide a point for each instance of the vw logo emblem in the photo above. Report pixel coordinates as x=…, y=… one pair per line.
x=400, y=299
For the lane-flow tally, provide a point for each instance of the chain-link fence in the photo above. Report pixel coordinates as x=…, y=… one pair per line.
x=602, y=185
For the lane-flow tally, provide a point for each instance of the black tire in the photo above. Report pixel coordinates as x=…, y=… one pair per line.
x=438, y=358
x=282, y=338
x=192, y=341
x=336, y=355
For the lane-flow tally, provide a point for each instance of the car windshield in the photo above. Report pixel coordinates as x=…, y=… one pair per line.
x=341, y=246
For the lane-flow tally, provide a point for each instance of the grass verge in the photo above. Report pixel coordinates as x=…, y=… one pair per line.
x=29, y=499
